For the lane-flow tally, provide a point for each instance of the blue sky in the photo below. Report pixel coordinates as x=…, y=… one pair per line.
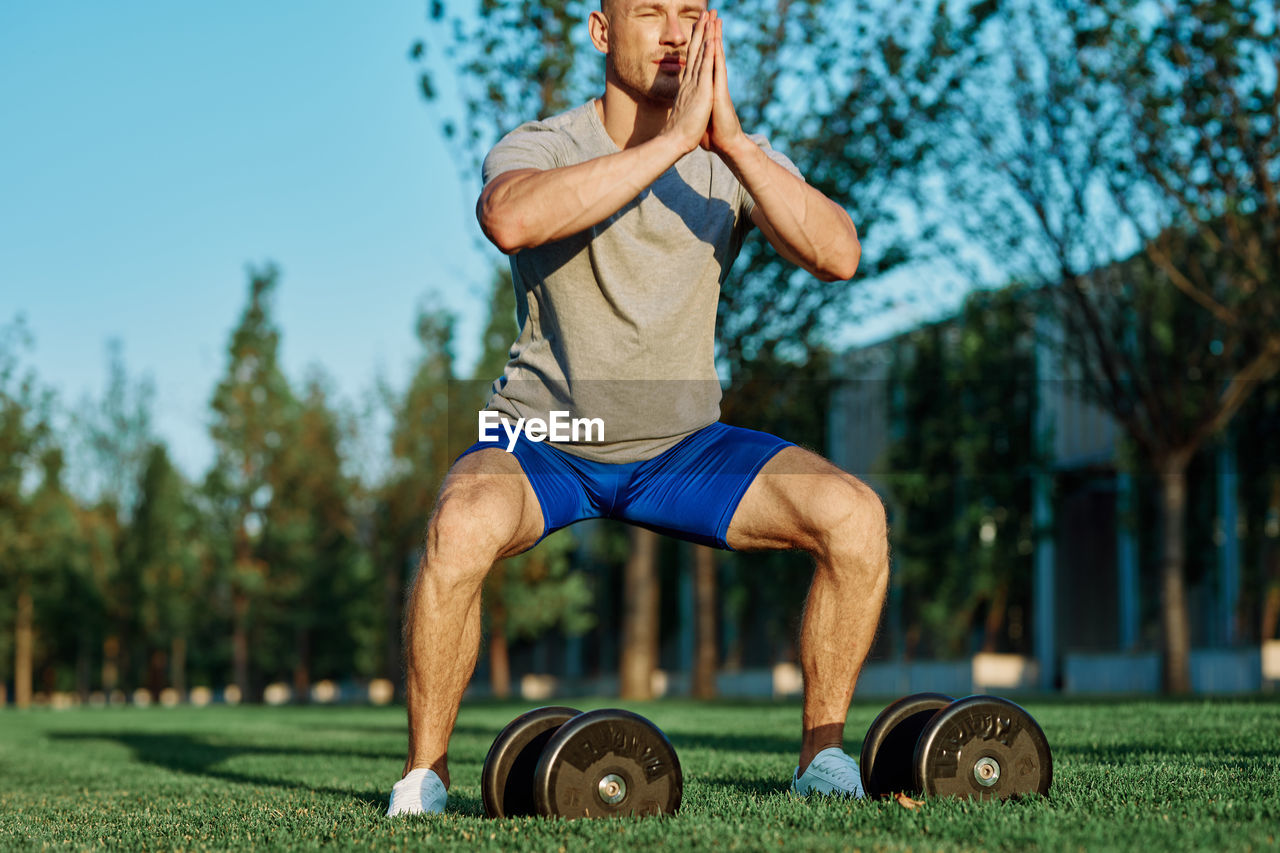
x=153, y=150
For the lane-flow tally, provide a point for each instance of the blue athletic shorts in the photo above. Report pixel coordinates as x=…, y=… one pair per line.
x=691, y=491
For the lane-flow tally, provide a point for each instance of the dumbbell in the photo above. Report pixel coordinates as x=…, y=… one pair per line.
x=559, y=762
x=980, y=747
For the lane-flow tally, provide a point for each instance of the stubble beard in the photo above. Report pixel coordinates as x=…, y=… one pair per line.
x=632, y=77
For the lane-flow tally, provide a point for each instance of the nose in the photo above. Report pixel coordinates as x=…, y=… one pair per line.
x=673, y=33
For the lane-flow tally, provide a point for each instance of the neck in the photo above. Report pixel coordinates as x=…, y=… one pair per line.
x=630, y=121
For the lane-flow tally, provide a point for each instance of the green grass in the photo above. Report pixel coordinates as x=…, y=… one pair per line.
x=1153, y=775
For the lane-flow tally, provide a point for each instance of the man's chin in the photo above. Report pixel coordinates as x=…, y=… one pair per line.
x=663, y=92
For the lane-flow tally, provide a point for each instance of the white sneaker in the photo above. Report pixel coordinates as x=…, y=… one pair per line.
x=831, y=772
x=421, y=792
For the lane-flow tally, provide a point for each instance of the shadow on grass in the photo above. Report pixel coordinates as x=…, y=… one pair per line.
x=747, y=787
x=196, y=757
x=1136, y=752
x=693, y=740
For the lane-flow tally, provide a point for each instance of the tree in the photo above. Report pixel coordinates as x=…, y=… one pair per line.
x=528, y=594
x=706, y=640
x=24, y=429
x=61, y=604
x=112, y=438
x=320, y=574
x=1082, y=134
x=253, y=408
x=962, y=451
x=640, y=635
x=115, y=436
x=163, y=550
x=425, y=422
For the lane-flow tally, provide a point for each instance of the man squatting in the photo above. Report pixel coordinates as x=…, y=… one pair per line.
x=622, y=218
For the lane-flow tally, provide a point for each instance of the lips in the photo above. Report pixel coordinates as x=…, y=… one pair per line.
x=671, y=63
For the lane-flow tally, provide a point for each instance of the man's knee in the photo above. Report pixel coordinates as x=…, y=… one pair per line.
x=478, y=519
x=849, y=525
x=471, y=526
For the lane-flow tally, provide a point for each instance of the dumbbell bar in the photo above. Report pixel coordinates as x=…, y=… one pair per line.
x=558, y=762
x=981, y=747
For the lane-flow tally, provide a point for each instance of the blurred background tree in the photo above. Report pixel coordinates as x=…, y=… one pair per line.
x=961, y=456
x=24, y=434
x=1078, y=135
x=253, y=411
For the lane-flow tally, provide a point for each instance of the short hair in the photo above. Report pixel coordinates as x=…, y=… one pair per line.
x=606, y=6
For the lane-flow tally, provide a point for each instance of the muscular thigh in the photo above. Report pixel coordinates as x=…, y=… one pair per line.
x=785, y=504
x=491, y=488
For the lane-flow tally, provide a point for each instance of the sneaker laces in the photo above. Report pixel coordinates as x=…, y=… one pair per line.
x=843, y=772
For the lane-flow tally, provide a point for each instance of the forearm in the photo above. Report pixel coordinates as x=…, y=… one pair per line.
x=525, y=209
x=804, y=225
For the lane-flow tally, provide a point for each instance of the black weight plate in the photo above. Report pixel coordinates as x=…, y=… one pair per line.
x=890, y=744
x=983, y=747
x=507, y=780
x=608, y=763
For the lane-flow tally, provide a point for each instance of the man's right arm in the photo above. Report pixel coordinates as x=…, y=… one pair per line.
x=524, y=208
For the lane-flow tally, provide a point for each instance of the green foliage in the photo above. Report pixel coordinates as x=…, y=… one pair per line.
x=251, y=404
x=319, y=571
x=115, y=435
x=163, y=546
x=962, y=454
x=539, y=590
x=1080, y=135
x=24, y=436
x=57, y=575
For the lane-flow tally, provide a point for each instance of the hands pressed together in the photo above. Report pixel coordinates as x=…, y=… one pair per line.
x=703, y=112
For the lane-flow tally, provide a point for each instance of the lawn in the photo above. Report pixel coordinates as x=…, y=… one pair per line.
x=1152, y=775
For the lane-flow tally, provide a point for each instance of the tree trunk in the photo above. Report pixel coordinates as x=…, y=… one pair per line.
x=110, y=663
x=706, y=646
x=1173, y=592
x=22, y=647
x=499, y=653
x=240, y=644
x=393, y=609
x=84, y=664
x=640, y=616
x=157, y=666
x=995, y=618
x=178, y=665
x=302, y=665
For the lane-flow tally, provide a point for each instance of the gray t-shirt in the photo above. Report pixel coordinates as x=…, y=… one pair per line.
x=617, y=322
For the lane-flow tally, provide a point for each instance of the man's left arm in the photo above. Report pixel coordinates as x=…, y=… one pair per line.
x=805, y=226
